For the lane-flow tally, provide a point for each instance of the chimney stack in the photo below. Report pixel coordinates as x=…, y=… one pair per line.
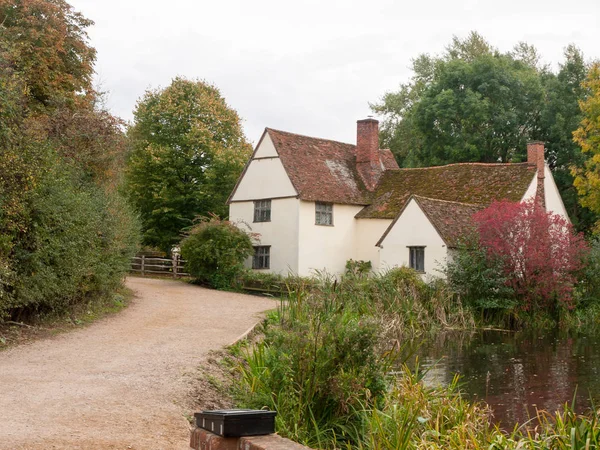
x=368, y=161
x=535, y=157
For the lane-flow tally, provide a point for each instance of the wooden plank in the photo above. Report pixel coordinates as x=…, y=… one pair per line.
x=159, y=260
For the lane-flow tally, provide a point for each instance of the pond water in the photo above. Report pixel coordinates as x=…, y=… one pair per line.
x=516, y=372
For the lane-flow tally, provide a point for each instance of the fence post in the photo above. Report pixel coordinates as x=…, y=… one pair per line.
x=143, y=258
x=175, y=262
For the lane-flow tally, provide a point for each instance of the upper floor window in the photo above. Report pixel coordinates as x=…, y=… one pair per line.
x=262, y=257
x=262, y=211
x=323, y=213
x=416, y=258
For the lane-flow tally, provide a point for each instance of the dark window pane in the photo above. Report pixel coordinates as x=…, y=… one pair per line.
x=262, y=257
x=262, y=211
x=417, y=258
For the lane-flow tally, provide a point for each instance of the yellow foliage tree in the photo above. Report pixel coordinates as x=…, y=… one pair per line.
x=587, y=136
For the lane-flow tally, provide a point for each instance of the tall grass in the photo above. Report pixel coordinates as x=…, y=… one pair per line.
x=324, y=366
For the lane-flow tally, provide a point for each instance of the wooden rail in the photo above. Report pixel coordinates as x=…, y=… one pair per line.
x=174, y=267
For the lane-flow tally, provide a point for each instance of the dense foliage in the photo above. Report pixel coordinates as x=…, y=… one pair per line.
x=324, y=366
x=66, y=235
x=587, y=136
x=215, y=251
x=521, y=257
x=473, y=103
x=187, y=151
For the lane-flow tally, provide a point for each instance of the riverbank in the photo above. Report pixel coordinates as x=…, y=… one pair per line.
x=325, y=364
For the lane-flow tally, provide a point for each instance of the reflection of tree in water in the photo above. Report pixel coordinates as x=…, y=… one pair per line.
x=525, y=370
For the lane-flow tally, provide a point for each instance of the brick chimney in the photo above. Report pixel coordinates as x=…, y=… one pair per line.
x=368, y=161
x=535, y=157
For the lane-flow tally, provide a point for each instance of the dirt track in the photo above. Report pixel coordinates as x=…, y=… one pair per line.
x=120, y=383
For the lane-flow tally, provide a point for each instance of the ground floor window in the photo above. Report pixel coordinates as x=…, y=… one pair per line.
x=416, y=258
x=262, y=257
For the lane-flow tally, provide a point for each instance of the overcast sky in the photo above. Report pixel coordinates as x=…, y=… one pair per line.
x=309, y=67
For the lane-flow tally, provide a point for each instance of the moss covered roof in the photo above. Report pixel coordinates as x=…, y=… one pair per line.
x=470, y=183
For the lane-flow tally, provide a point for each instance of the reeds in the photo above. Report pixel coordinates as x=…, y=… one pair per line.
x=325, y=366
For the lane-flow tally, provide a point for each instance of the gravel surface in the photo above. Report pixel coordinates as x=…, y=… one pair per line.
x=123, y=382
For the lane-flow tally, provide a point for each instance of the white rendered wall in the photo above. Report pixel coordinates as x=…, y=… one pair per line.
x=413, y=228
x=264, y=178
x=326, y=247
x=554, y=201
x=368, y=233
x=281, y=233
x=552, y=197
x=266, y=149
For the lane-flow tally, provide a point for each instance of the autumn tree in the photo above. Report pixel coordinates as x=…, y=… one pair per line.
x=538, y=251
x=560, y=116
x=66, y=236
x=587, y=136
x=187, y=151
x=46, y=42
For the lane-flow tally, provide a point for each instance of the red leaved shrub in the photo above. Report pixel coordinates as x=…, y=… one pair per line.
x=541, y=253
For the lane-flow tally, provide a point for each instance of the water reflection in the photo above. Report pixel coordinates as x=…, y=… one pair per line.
x=516, y=372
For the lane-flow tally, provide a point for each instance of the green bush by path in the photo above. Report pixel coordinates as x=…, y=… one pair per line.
x=215, y=251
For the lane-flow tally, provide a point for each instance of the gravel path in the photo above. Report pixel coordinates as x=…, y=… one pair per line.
x=120, y=383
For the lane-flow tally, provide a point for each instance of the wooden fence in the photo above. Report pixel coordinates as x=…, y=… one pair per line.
x=150, y=265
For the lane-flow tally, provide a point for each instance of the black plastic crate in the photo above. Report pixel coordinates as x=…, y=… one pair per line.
x=237, y=422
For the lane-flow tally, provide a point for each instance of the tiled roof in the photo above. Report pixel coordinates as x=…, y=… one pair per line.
x=471, y=183
x=452, y=220
x=323, y=170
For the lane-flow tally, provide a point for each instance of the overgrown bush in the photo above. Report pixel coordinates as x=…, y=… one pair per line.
x=215, y=251
x=66, y=236
x=77, y=244
x=324, y=367
x=520, y=259
x=588, y=289
x=540, y=253
x=316, y=366
x=479, y=279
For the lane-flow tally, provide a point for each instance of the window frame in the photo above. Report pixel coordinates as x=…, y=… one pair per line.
x=262, y=210
x=417, y=250
x=256, y=258
x=319, y=213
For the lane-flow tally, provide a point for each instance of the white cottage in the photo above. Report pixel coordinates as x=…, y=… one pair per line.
x=317, y=203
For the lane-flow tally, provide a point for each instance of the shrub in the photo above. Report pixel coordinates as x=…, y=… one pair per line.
x=358, y=267
x=478, y=278
x=215, y=251
x=540, y=254
x=76, y=245
x=316, y=366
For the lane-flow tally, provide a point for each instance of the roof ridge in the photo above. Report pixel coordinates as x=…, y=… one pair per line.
x=309, y=137
x=465, y=164
x=447, y=201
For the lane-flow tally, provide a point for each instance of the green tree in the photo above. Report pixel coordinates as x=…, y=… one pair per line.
x=469, y=104
x=187, y=151
x=473, y=103
x=587, y=136
x=484, y=110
